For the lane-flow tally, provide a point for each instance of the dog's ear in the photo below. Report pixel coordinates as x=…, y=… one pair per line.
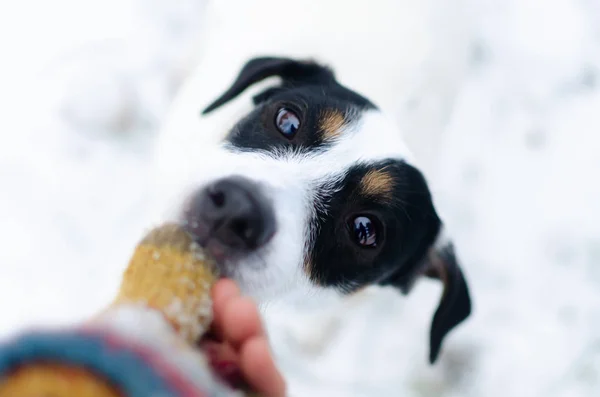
x=455, y=303
x=292, y=72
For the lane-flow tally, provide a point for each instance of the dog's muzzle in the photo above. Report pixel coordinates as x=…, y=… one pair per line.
x=230, y=217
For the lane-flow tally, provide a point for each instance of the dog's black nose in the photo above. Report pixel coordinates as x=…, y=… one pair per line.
x=234, y=212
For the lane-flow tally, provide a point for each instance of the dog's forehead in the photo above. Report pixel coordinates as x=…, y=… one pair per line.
x=370, y=136
x=336, y=122
x=339, y=137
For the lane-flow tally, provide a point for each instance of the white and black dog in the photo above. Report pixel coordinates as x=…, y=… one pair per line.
x=311, y=191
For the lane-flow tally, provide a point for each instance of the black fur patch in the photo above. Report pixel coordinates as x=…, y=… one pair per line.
x=308, y=89
x=407, y=225
x=258, y=130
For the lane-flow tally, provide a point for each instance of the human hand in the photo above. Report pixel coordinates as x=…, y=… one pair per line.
x=237, y=345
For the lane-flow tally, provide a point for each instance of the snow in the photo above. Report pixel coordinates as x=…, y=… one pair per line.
x=81, y=112
x=516, y=179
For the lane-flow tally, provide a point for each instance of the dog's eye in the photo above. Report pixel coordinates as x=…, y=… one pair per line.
x=365, y=232
x=287, y=122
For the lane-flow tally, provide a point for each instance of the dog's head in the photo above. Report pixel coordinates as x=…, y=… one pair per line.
x=314, y=190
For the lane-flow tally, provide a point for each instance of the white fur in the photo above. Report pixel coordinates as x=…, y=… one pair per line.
x=292, y=181
x=375, y=62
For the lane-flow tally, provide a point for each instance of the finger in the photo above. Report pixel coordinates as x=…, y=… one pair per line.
x=240, y=321
x=259, y=368
x=224, y=289
x=222, y=292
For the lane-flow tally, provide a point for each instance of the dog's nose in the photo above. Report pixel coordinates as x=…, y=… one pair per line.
x=234, y=212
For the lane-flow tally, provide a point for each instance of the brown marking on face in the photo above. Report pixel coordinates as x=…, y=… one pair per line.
x=331, y=123
x=377, y=183
x=309, y=270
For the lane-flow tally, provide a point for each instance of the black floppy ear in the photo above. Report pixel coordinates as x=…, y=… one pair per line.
x=291, y=71
x=455, y=304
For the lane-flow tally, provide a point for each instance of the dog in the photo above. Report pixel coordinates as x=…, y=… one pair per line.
x=311, y=191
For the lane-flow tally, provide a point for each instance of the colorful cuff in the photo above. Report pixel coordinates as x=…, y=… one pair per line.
x=133, y=369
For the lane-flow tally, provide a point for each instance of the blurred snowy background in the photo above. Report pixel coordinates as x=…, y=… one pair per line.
x=84, y=86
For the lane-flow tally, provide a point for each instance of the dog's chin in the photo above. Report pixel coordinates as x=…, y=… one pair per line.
x=265, y=274
x=247, y=276
x=237, y=266
x=256, y=279
x=251, y=274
